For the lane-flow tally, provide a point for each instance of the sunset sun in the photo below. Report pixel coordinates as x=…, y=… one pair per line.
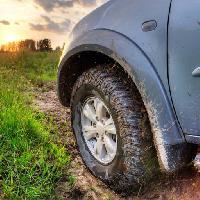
x=11, y=38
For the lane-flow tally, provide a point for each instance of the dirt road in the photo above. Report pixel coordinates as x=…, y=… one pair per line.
x=182, y=186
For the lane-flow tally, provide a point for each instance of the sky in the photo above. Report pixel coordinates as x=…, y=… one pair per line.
x=38, y=19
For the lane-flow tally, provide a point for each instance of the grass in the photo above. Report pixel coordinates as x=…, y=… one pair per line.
x=39, y=67
x=30, y=160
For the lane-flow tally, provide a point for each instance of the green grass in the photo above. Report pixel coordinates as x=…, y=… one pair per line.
x=39, y=67
x=30, y=160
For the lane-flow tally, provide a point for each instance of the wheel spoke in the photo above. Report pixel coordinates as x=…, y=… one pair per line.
x=99, y=130
x=89, y=113
x=99, y=148
x=110, y=145
x=109, y=121
x=89, y=132
x=110, y=127
x=99, y=107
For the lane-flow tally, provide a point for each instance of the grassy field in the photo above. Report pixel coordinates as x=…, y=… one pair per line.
x=31, y=161
x=39, y=67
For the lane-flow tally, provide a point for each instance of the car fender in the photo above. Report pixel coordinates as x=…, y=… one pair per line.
x=129, y=55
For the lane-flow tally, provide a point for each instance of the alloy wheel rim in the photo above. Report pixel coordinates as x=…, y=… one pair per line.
x=99, y=131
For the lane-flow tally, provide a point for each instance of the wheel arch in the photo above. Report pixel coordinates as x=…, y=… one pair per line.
x=89, y=50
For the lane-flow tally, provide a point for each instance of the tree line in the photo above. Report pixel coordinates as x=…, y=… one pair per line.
x=28, y=44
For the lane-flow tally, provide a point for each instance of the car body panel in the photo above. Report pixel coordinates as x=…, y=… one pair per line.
x=184, y=58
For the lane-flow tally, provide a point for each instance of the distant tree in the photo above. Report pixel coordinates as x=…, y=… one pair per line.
x=3, y=48
x=27, y=44
x=44, y=45
x=58, y=48
x=11, y=46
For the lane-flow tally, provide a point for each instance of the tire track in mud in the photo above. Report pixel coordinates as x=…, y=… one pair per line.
x=181, y=186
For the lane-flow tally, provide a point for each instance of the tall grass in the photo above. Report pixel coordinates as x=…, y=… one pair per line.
x=39, y=67
x=30, y=161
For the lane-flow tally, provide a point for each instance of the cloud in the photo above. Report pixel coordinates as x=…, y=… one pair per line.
x=49, y=5
x=4, y=22
x=86, y=2
x=51, y=26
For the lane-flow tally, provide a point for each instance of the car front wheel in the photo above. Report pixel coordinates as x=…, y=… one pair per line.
x=112, y=129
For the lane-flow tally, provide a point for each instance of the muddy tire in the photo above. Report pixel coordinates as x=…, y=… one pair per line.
x=134, y=160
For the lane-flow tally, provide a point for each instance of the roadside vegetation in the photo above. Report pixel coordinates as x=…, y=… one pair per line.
x=31, y=160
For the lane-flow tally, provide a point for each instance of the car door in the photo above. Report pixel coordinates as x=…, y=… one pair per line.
x=184, y=62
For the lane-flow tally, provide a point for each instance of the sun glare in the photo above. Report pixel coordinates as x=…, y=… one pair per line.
x=11, y=38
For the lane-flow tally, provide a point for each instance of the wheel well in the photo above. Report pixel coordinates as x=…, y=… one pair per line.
x=74, y=67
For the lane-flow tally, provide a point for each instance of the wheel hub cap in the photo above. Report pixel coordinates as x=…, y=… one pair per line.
x=99, y=130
